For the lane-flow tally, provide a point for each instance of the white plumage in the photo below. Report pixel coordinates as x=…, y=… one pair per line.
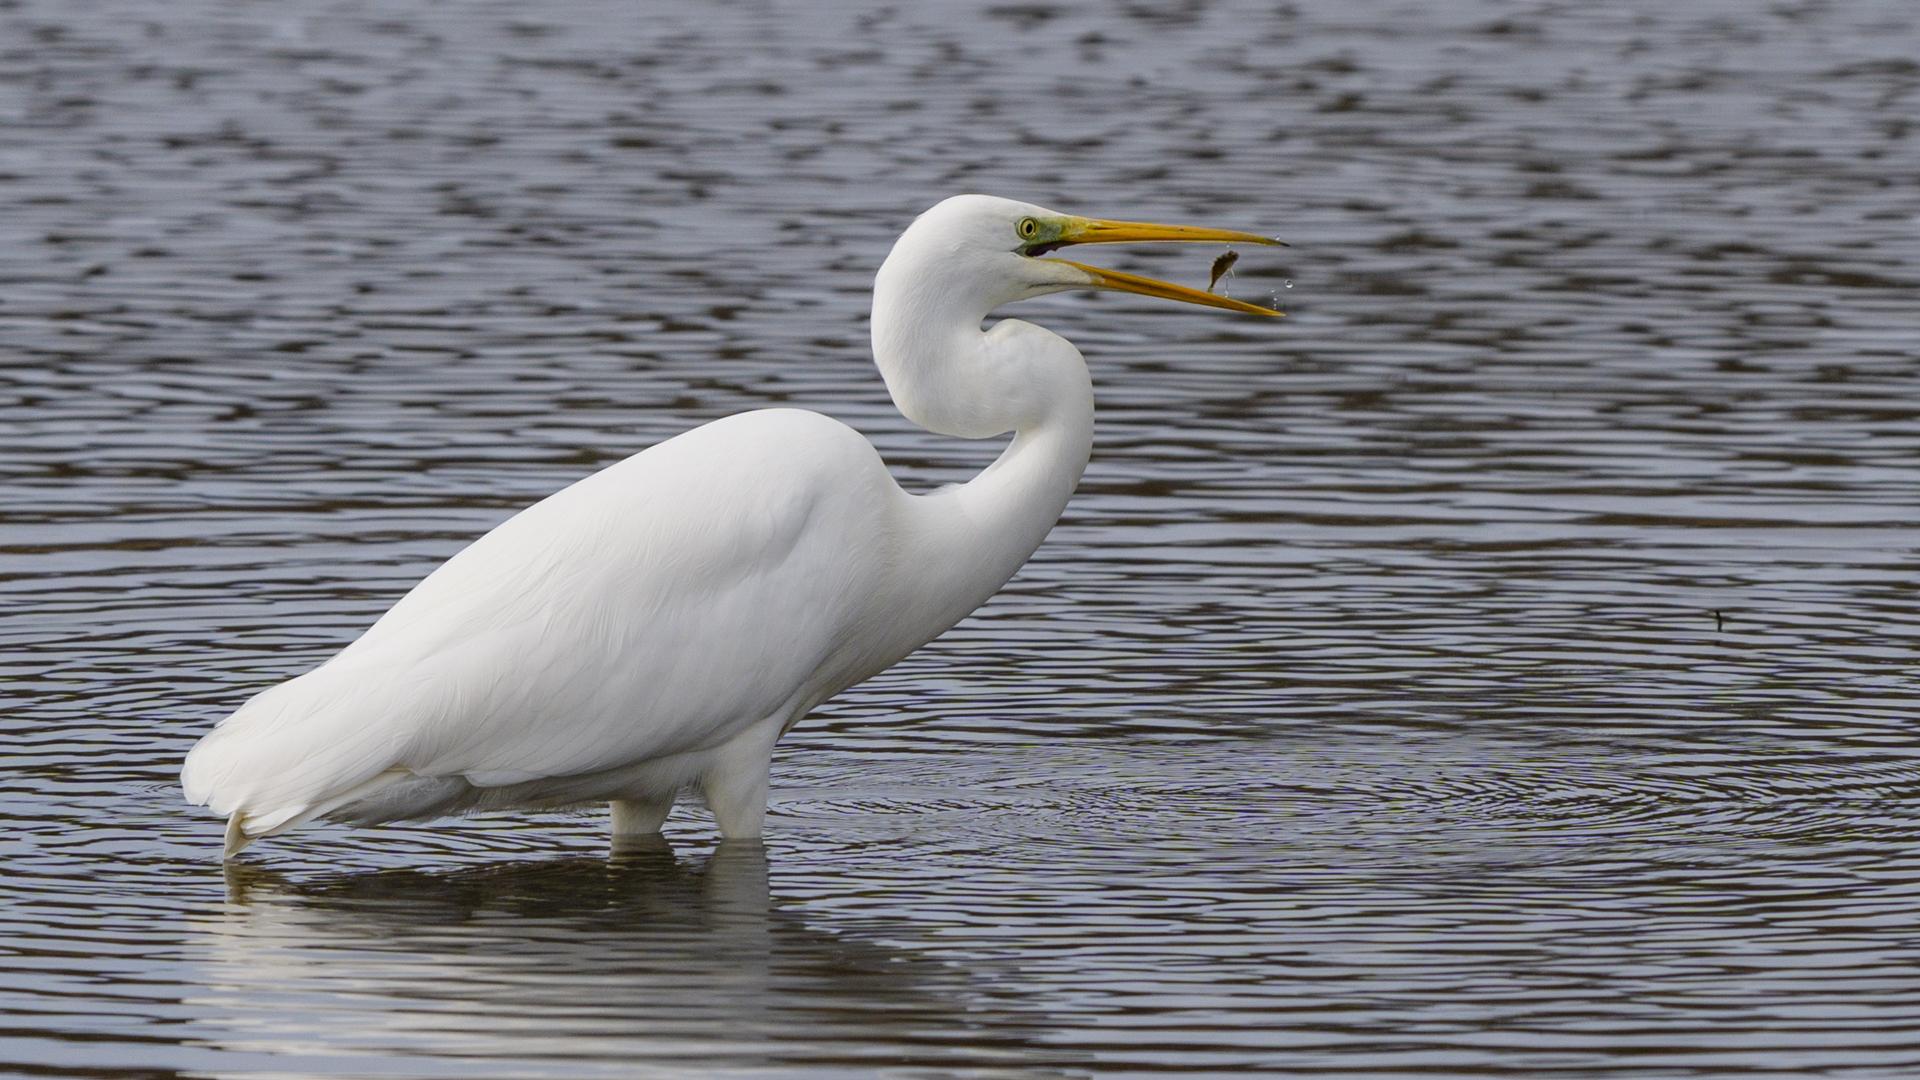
x=661, y=622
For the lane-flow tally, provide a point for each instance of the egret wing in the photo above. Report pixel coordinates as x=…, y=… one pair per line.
x=656, y=607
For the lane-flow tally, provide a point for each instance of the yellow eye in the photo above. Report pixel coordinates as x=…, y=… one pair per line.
x=1028, y=228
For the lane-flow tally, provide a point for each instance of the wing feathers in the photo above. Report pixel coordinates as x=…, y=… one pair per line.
x=645, y=612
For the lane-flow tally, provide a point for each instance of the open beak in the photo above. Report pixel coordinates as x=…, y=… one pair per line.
x=1095, y=231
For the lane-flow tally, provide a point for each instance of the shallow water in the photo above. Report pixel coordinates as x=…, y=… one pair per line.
x=1505, y=666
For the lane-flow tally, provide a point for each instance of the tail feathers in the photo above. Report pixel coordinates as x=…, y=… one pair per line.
x=244, y=827
x=237, y=838
x=295, y=752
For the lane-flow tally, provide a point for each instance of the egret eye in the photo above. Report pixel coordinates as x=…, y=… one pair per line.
x=1028, y=228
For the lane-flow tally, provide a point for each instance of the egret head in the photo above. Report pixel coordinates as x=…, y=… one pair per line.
x=986, y=251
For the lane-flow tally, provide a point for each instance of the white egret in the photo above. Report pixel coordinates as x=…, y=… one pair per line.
x=659, y=624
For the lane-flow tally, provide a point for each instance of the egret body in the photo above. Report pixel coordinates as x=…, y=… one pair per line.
x=661, y=623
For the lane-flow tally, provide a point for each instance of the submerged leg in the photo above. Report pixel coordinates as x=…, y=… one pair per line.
x=640, y=817
x=735, y=784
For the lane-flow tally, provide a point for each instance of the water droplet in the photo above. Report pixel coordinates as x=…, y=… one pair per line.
x=1289, y=284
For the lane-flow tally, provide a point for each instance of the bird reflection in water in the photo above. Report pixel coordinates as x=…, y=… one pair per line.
x=595, y=965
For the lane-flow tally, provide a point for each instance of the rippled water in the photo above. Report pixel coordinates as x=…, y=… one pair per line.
x=1503, y=667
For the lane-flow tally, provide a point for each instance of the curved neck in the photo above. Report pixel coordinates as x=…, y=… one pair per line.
x=1000, y=516
x=950, y=377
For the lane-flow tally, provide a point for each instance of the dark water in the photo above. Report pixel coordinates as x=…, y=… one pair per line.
x=1503, y=667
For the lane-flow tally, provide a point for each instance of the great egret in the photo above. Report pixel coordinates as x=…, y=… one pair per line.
x=662, y=622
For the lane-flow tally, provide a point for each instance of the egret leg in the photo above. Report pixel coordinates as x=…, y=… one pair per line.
x=735, y=785
x=736, y=888
x=640, y=817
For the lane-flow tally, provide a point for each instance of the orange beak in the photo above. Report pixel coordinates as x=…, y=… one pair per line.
x=1095, y=231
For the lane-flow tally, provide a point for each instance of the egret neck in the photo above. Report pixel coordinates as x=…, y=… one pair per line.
x=951, y=377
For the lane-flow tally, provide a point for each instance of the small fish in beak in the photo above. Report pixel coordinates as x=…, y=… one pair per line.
x=1222, y=266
